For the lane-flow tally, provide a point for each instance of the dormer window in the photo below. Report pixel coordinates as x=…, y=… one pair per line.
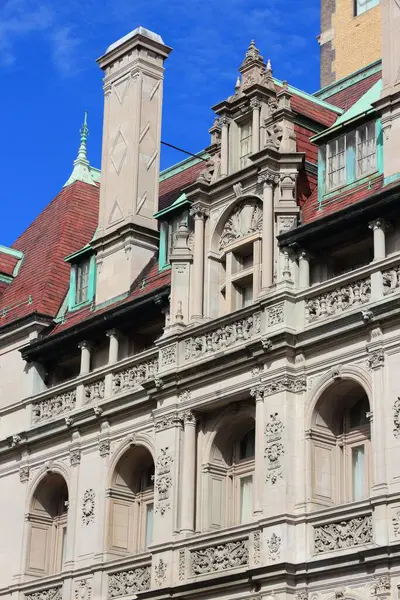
x=361, y=6
x=245, y=144
x=366, y=149
x=82, y=281
x=351, y=156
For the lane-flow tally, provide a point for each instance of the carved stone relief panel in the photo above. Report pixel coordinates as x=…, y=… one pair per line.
x=343, y=534
x=246, y=219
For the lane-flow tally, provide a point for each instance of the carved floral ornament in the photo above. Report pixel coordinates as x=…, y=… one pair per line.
x=88, y=507
x=54, y=593
x=246, y=219
x=343, y=534
x=219, y=558
x=129, y=582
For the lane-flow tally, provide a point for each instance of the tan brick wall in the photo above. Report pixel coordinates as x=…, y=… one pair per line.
x=357, y=40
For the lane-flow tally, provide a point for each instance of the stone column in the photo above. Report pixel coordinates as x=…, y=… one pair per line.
x=378, y=227
x=85, y=357
x=304, y=270
x=259, y=475
x=188, y=473
x=199, y=213
x=224, y=122
x=113, y=346
x=376, y=359
x=255, y=138
x=268, y=179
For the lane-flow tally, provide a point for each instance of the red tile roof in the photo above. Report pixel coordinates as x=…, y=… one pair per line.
x=171, y=188
x=349, y=96
x=312, y=211
x=63, y=227
x=304, y=145
x=313, y=111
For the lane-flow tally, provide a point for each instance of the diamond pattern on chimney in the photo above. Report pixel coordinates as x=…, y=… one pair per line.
x=119, y=151
x=121, y=89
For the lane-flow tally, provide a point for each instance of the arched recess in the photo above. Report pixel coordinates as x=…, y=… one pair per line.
x=235, y=257
x=47, y=525
x=131, y=502
x=228, y=470
x=340, y=439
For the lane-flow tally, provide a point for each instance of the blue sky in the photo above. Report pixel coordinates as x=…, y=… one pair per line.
x=49, y=76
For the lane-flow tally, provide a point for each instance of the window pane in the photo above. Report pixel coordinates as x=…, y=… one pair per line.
x=63, y=545
x=248, y=295
x=247, y=445
x=336, y=163
x=82, y=282
x=246, y=499
x=366, y=149
x=245, y=143
x=358, y=472
x=149, y=524
x=363, y=5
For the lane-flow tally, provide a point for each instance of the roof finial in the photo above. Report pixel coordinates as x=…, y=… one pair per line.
x=82, y=170
x=237, y=85
x=269, y=66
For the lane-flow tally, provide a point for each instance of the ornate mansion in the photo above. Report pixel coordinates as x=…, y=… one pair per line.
x=199, y=367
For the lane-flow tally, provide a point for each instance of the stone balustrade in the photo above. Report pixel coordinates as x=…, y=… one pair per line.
x=339, y=299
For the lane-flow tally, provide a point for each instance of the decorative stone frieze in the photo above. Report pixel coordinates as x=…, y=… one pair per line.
x=303, y=595
x=245, y=220
x=335, y=302
x=286, y=222
x=275, y=315
x=93, y=392
x=256, y=547
x=223, y=337
x=104, y=447
x=168, y=355
x=185, y=396
x=274, y=449
x=381, y=586
x=375, y=359
x=396, y=418
x=167, y=421
x=24, y=474
x=160, y=572
x=54, y=406
x=268, y=177
x=83, y=590
x=129, y=582
x=88, y=507
x=75, y=457
x=133, y=377
x=343, y=534
x=396, y=524
x=219, y=558
x=274, y=547
x=285, y=383
x=391, y=280
x=54, y=593
x=163, y=480
x=182, y=565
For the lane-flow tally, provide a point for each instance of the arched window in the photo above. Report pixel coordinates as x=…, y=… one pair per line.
x=229, y=476
x=240, y=256
x=131, y=504
x=340, y=438
x=47, y=519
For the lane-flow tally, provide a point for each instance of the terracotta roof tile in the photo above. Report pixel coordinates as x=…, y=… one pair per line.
x=349, y=96
x=312, y=211
x=171, y=188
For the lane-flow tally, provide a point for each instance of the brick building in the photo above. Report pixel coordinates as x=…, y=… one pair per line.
x=199, y=367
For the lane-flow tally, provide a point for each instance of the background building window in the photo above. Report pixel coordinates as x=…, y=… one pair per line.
x=366, y=149
x=245, y=144
x=361, y=6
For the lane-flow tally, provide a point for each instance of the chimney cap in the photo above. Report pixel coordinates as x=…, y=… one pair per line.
x=138, y=31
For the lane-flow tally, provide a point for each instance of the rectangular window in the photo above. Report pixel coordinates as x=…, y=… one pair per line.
x=245, y=144
x=361, y=6
x=82, y=282
x=246, y=499
x=366, y=149
x=149, y=524
x=358, y=472
x=336, y=163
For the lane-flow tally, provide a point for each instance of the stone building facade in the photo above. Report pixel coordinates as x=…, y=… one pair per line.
x=199, y=367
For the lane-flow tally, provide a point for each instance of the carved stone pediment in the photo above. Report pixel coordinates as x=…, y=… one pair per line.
x=246, y=219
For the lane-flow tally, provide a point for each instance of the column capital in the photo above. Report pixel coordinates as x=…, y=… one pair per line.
x=378, y=224
x=198, y=211
x=303, y=254
x=85, y=344
x=188, y=417
x=268, y=177
x=112, y=333
x=255, y=103
x=257, y=392
x=224, y=121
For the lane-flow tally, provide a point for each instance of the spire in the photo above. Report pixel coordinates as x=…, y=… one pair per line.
x=252, y=67
x=252, y=55
x=82, y=170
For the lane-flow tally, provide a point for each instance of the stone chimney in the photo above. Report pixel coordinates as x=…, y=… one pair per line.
x=127, y=236
x=389, y=103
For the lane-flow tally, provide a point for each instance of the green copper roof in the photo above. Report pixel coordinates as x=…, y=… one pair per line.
x=82, y=170
x=360, y=109
x=183, y=165
x=337, y=86
x=178, y=202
